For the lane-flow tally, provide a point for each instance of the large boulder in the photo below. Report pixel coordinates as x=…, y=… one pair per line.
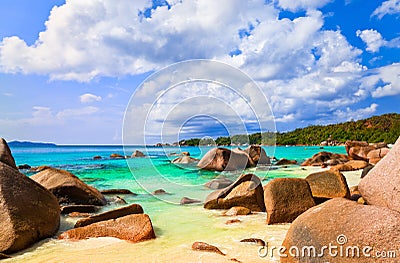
x=375, y=156
x=257, y=155
x=351, y=165
x=28, y=212
x=137, y=154
x=222, y=159
x=5, y=154
x=328, y=184
x=246, y=191
x=133, y=228
x=380, y=186
x=326, y=158
x=68, y=188
x=358, y=231
x=185, y=160
x=287, y=198
x=359, y=150
x=113, y=214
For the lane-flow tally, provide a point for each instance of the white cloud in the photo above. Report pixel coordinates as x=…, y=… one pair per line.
x=386, y=80
x=88, y=98
x=348, y=114
x=372, y=38
x=389, y=7
x=68, y=113
x=302, y=4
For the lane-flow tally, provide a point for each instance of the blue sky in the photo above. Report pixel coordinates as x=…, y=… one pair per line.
x=69, y=68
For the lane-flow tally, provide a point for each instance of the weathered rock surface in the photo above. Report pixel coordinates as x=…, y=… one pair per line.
x=5, y=154
x=137, y=154
x=222, y=159
x=375, y=156
x=113, y=214
x=67, y=209
x=246, y=191
x=366, y=170
x=326, y=158
x=187, y=201
x=202, y=246
x=358, y=150
x=237, y=211
x=257, y=155
x=287, y=198
x=133, y=228
x=380, y=186
x=351, y=165
x=284, y=161
x=68, y=188
x=333, y=222
x=185, y=160
x=218, y=183
x=328, y=184
x=28, y=212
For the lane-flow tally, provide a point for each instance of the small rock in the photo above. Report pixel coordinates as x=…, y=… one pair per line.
x=185, y=160
x=67, y=209
x=137, y=154
x=117, y=191
x=97, y=157
x=24, y=167
x=160, y=192
x=218, y=183
x=237, y=211
x=286, y=162
x=201, y=246
x=232, y=221
x=78, y=214
x=119, y=200
x=257, y=241
x=117, y=156
x=187, y=200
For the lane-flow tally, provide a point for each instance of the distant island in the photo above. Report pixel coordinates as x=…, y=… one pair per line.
x=30, y=144
x=383, y=128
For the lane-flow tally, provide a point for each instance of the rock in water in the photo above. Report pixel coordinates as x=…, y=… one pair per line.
x=328, y=184
x=218, y=183
x=380, y=186
x=137, y=154
x=202, y=246
x=5, y=154
x=186, y=201
x=237, y=211
x=133, y=228
x=326, y=158
x=286, y=199
x=117, y=191
x=185, y=160
x=67, y=209
x=222, y=159
x=342, y=224
x=246, y=191
x=258, y=155
x=28, y=212
x=113, y=214
x=286, y=162
x=68, y=188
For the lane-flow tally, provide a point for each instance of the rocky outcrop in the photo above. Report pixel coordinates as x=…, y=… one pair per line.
x=137, y=154
x=358, y=230
x=68, y=188
x=218, y=183
x=287, y=198
x=187, y=201
x=237, y=211
x=202, y=246
x=113, y=214
x=117, y=156
x=351, y=165
x=326, y=158
x=359, y=150
x=28, y=212
x=222, y=159
x=380, y=186
x=5, y=154
x=246, y=191
x=185, y=160
x=328, y=184
x=375, y=156
x=284, y=161
x=257, y=155
x=133, y=228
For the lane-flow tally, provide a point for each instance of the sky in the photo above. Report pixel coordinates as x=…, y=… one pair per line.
x=70, y=69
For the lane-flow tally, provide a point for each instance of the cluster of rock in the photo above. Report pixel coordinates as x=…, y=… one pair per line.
x=135, y=154
x=30, y=208
x=376, y=229
x=223, y=159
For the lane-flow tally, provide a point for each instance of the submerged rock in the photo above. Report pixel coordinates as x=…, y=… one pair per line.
x=117, y=191
x=246, y=191
x=185, y=160
x=187, y=201
x=117, y=156
x=28, y=212
x=68, y=188
x=133, y=228
x=218, y=183
x=202, y=246
x=160, y=192
x=113, y=214
x=286, y=199
x=237, y=211
x=380, y=186
x=342, y=223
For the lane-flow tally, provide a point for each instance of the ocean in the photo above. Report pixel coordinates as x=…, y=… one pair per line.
x=176, y=226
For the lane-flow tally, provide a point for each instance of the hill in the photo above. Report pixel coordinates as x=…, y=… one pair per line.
x=30, y=144
x=384, y=128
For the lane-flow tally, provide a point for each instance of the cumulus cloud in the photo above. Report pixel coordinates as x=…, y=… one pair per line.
x=302, y=4
x=386, y=79
x=389, y=7
x=88, y=98
x=372, y=38
x=349, y=114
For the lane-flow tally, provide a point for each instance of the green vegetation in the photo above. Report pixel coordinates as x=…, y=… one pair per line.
x=384, y=128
